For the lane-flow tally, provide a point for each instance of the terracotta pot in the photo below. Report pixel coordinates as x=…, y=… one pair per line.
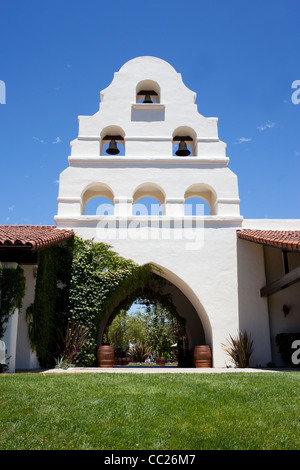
x=202, y=356
x=105, y=356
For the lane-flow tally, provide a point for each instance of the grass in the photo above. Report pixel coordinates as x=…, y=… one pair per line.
x=150, y=412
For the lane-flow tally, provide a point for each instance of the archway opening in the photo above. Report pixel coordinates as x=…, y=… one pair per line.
x=147, y=333
x=148, y=199
x=112, y=141
x=196, y=206
x=97, y=199
x=156, y=321
x=184, y=142
x=99, y=206
x=148, y=91
x=147, y=206
x=201, y=198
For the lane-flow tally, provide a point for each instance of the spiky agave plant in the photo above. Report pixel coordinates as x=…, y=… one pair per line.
x=139, y=352
x=239, y=349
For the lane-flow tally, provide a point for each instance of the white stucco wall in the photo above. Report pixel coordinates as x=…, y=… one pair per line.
x=25, y=357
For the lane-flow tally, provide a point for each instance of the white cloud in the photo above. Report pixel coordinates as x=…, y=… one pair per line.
x=39, y=140
x=240, y=140
x=267, y=125
x=55, y=181
x=57, y=140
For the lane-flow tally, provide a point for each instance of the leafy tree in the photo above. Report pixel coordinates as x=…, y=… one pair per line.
x=156, y=327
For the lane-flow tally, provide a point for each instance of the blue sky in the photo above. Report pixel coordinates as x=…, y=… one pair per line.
x=240, y=57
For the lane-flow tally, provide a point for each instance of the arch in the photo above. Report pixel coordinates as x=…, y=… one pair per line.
x=147, y=206
x=149, y=190
x=205, y=192
x=186, y=134
x=107, y=133
x=99, y=206
x=182, y=297
x=150, y=86
x=96, y=190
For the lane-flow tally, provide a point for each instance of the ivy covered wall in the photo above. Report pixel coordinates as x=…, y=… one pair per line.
x=78, y=282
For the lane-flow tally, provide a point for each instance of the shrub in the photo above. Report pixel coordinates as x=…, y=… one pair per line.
x=139, y=352
x=239, y=349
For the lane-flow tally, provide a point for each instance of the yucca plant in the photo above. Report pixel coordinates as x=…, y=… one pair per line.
x=139, y=352
x=239, y=349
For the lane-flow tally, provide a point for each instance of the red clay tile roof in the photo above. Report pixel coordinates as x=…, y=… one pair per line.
x=284, y=239
x=33, y=237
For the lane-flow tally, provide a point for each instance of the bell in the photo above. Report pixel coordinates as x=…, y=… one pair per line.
x=182, y=151
x=113, y=148
x=147, y=99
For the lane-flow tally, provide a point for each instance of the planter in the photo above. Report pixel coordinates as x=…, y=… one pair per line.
x=202, y=356
x=105, y=356
x=160, y=361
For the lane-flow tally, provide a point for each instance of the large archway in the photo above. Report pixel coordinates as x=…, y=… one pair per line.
x=162, y=290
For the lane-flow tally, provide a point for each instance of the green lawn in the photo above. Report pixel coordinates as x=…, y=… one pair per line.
x=150, y=411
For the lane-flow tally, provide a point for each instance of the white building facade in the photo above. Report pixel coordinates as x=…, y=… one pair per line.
x=146, y=112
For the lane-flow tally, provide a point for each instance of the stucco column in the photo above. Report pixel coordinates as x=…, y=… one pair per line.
x=123, y=206
x=174, y=207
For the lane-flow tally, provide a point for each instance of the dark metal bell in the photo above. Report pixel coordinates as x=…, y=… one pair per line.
x=147, y=99
x=182, y=151
x=113, y=148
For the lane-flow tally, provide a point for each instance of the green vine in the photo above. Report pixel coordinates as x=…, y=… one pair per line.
x=50, y=307
x=12, y=291
x=99, y=277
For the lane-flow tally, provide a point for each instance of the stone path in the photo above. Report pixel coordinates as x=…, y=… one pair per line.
x=157, y=370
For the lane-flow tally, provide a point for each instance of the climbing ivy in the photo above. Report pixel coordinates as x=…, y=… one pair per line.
x=12, y=291
x=50, y=307
x=99, y=277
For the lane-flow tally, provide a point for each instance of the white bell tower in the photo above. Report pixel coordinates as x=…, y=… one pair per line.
x=146, y=112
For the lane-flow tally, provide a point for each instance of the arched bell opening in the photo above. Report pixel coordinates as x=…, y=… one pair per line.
x=196, y=206
x=184, y=142
x=146, y=206
x=169, y=299
x=200, y=199
x=147, y=91
x=99, y=206
x=148, y=199
x=97, y=199
x=112, y=141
